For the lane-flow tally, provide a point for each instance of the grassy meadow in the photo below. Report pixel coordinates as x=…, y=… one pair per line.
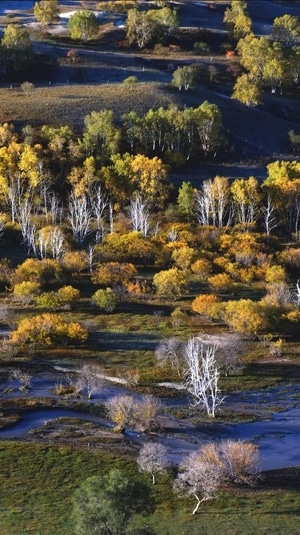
x=38, y=481
x=68, y=104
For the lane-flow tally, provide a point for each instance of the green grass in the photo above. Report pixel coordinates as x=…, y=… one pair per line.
x=38, y=482
x=127, y=339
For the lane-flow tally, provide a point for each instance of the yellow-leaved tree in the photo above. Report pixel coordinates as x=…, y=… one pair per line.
x=171, y=282
x=245, y=316
x=47, y=329
x=113, y=273
x=283, y=187
x=26, y=291
x=149, y=178
x=33, y=269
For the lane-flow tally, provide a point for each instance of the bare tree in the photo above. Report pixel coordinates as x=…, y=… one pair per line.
x=80, y=217
x=145, y=413
x=278, y=294
x=22, y=377
x=91, y=256
x=120, y=410
x=152, y=458
x=2, y=227
x=297, y=294
x=9, y=348
x=205, y=470
x=99, y=202
x=50, y=240
x=126, y=411
x=202, y=375
x=90, y=380
x=200, y=476
x=139, y=215
x=203, y=206
x=55, y=209
x=270, y=220
x=170, y=351
x=228, y=355
x=173, y=234
x=41, y=243
x=6, y=315
x=111, y=217
x=56, y=242
x=14, y=194
x=241, y=460
x=23, y=215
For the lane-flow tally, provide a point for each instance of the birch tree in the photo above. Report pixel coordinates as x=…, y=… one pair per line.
x=139, y=215
x=17, y=47
x=99, y=201
x=184, y=77
x=46, y=11
x=286, y=30
x=79, y=217
x=28, y=229
x=54, y=208
x=237, y=19
x=202, y=375
x=213, y=202
x=270, y=221
x=208, y=124
x=50, y=241
x=297, y=294
x=56, y=242
x=246, y=200
x=83, y=25
x=203, y=205
x=139, y=28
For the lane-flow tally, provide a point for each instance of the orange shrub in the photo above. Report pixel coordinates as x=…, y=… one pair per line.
x=203, y=303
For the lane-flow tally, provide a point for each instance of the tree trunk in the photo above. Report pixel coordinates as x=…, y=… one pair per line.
x=204, y=499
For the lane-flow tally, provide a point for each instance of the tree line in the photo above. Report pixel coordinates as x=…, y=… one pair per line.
x=81, y=183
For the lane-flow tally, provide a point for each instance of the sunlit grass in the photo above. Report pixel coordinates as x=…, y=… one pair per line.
x=38, y=482
x=68, y=104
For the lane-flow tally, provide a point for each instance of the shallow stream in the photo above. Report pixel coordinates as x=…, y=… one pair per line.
x=277, y=434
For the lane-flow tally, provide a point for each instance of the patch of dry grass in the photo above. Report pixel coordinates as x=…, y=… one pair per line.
x=69, y=104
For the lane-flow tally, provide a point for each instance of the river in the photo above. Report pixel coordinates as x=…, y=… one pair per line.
x=277, y=434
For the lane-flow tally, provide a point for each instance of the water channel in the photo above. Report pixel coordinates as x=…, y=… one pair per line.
x=276, y=433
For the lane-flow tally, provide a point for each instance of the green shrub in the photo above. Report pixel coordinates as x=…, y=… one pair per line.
x=130, y=80
x=105, y=299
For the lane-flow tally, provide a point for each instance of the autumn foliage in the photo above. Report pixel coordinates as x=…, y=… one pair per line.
x=47, y=329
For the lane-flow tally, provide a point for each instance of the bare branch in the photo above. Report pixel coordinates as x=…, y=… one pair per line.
x=202, y=375
x=152, y=458
x=170, y=351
